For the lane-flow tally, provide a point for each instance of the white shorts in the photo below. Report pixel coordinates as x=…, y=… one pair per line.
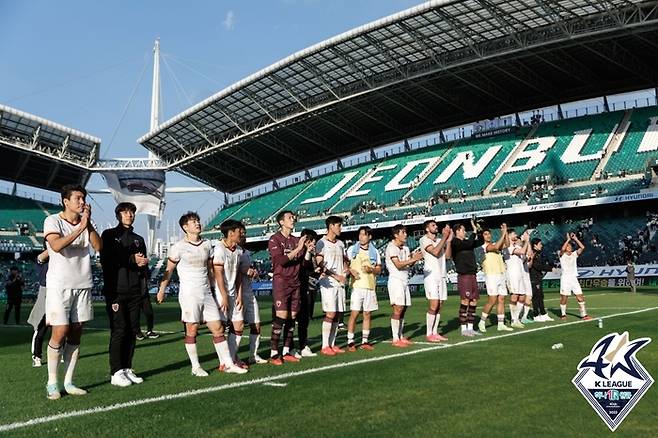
x=232, y=312
x=518, y=284
x=65, y=306
x=495, y=284
x=196, y=309
x=363, y=300
x=333, y=298
x=570, y=284
x=398, y=292
x=250, y=309
x=436, y=288
x=527, y=286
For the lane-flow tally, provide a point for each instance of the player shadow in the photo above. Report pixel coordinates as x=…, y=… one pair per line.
x=143, y=344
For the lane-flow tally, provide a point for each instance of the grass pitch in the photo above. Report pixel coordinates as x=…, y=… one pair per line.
x=499, y=385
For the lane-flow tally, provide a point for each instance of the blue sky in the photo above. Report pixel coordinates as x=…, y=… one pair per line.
x=78, y=62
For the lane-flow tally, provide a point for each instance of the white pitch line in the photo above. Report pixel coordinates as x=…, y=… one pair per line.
x=278, y=385
x=262, y=380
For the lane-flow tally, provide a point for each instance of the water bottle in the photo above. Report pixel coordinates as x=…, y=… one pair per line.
x=600, y=323
x=557, y=346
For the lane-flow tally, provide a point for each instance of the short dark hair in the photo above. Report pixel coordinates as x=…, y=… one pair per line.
x=68, y=190
x=457, y=226
x=281, y=214
x=124, y=206
x=310, y=234
x=366, y=229
x=186, y=217
x=397, y=228
x=230, y=225
x=331, y=220
x=534, y=241
x=428, y=222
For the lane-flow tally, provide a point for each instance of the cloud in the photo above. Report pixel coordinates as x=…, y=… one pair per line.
x=229, y=20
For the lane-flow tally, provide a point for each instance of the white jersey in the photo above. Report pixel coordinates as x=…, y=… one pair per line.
x=231, y=262
x=333, y=254
x=245, y=264
x=403, y=254
x=192, y=266
x=433, y=266
x=569, y=265
x=514, y=263
x=70, y=268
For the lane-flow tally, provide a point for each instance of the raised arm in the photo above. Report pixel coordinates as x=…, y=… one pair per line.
x=581, y=247
x=564, y=245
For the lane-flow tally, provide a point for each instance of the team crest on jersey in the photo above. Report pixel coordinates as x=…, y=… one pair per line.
x=612, y=379
x=115, y=307
x=278, y=303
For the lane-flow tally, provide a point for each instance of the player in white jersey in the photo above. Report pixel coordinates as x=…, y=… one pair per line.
x=330, y=256
x=493, y=267
x=365, y=265
x=250, y=308
x=569, y=278
x=435, y=251
x=519, y=286
x=226, y=265
x=192, y=258
x=69, y=236
x=398, y=261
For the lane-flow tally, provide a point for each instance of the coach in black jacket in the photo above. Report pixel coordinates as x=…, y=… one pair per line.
x=125, y=275
x=538, y=267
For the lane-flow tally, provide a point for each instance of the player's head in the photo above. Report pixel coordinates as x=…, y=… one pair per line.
x=459, y=230
x=430, y=226
x=125, y=213
x=243, y=234
x=73, y=197
x=311, y=236
x=537, y=244
x=486, y=235
x=190, y=222
x=568, y=248
x=286, y=219
x=13, y=270
x=334, y=224
x=231, y=229
x=399, y=233
x=365, y=234
x=511, y=234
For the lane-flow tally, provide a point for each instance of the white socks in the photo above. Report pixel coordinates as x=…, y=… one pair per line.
x=71, y=354
x=350, y=338
x=364, y=339
x=563, y=309
x=223, y=353
x=53, y=363
x=326, y=333
x=395, y=329
x=432, y=323
x=526, y=310
x=254, y=343
x=192, y=354
x=583, y=312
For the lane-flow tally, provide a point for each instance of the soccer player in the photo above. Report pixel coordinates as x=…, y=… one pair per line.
x=435, y=251
x=538, y=267
x=37, y=318
x=463, y=255
x=287, y=252
x=330, y=255
x=398, y=261
x=250, y=305
x=493, y=267
x=527, y=282
x=226, y=265
x=308, y=276
x=125, y=276
x=365, y=265
x=14, y=288
x=569, y=278
x=69, y=237
x=192, y=258
x=514, y=256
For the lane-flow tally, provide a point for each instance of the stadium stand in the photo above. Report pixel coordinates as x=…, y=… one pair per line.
x=452, y=177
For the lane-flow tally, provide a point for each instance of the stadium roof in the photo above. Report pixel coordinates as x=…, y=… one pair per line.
x=43, y=154
x=437, y=65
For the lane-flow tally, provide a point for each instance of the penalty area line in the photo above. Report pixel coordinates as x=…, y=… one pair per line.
x=284, y=376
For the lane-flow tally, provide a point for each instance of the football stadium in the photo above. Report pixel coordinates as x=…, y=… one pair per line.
x=453, y=173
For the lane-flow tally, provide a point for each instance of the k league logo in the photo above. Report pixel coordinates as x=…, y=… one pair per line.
x=612, y=379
